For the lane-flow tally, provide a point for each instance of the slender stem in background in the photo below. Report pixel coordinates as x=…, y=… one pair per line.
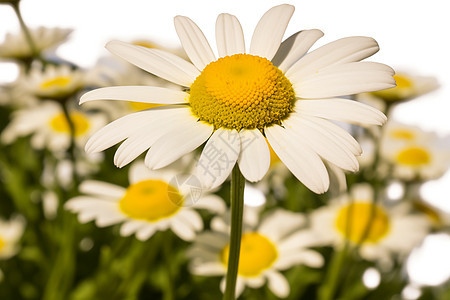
x=328, y=290
x=237, y=210
x=35, y=53
x=71, y=150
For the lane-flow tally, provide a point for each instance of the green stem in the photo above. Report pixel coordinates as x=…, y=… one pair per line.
x=34, y=52
x=237, y=210
x=328, y=290
x=169, y=289
x=72, y=148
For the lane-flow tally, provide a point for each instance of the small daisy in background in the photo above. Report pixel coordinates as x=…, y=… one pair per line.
x=414, y=154
x=16, y=47
x=10, y=234
x=154, y=201
x=48, y=126
x=269, y=245
x=275, y=90
x=380, y=232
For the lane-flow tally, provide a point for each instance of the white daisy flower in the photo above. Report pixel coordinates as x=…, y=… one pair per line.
x=414, y=153
x=10, y=233
x=393, y=231
x=269, y=246
x=49, y=128
x=55, y=82
x=15, y=46
x=275, y=89
x=154, y=201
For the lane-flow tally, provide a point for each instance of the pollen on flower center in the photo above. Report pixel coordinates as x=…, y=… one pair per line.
x=61, y=81
x=414, y=156
x=362, y=222
x=59, y=123
x=151, y=200
x=257, y=254
x=241, y=91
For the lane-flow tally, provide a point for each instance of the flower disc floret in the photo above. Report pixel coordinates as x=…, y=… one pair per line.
x=241, y=91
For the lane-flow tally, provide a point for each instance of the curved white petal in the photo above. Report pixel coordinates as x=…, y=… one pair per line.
x=131, y=226
x=194, y=42
x=146, y=231
x=345, y=50
x=344, y=79
x=213, y=203
x=209, y=269
x=269, y=31
x=101, y=189
x=294, y=47
x=184, y=138
x=322, y=143
x=186, y=233
x=122, y=128
x=334, y=132
x=161, y=63
x=192, y=218
x=309, y=258
x=304, y=163
x=341, y=110
x=229, y=35
x=278, y=284
x=218, y=158
x=145, y=94
x=280, y=223
x=254, y=157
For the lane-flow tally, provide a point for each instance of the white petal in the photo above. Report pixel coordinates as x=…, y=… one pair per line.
x=145, y=94
x=131, y=227
x=229, y=35
x=184, y=138
x=349, y=49
x=155, y=61
x=341, y=110
x=194, y=42
x=209, y=269
x=254, y=157
x=278, y=284
x=280, y=223
x=298, y=158
x=309, y=258
x=146, y=232
x=192, y=218
x=111, y=218
x=144, y=138
x=269, y=31
x=335, y=132
x=211, y=203
x=240, y=286
x=139, y=172
x=179, y=228
x=218, y=158
x=344, y=79
x=322, y=142
x=294, y=47
x=102, y=189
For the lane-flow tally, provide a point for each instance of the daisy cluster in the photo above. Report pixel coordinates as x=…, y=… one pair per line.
x=115, y=179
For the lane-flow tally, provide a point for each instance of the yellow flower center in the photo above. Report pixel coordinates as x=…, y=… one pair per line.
x=241, y=91
x=402, y=134
x=60, y=82
x=81, y=124
x=2, y=243
x=402, y=81
x=137, y=106
x=274, y=159
x=362, y=222
x=151, y=200
x=414, y=156
x=257, y=254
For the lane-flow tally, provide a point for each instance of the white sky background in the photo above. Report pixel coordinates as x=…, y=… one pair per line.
x=413, y=35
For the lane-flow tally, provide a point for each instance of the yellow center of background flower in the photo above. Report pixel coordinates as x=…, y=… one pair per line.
x=402, y=81
x=362, y=220
x=402, y=134
x=151, y=200
x=2, y=243
x=138, y=106
x=61, y=81
x=241, y=91
x=414, y=156
x=80, y=122
x=257, y=254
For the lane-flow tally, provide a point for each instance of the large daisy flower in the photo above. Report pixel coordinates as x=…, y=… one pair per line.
x=268, y=246
x=274, y=90
x=10, y=233
x=379, y=231
x=15, y=46
x=49, y=128
x=154, y=201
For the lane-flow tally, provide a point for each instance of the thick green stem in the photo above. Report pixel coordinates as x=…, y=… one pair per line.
x=328, y=290
x=237, y=210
